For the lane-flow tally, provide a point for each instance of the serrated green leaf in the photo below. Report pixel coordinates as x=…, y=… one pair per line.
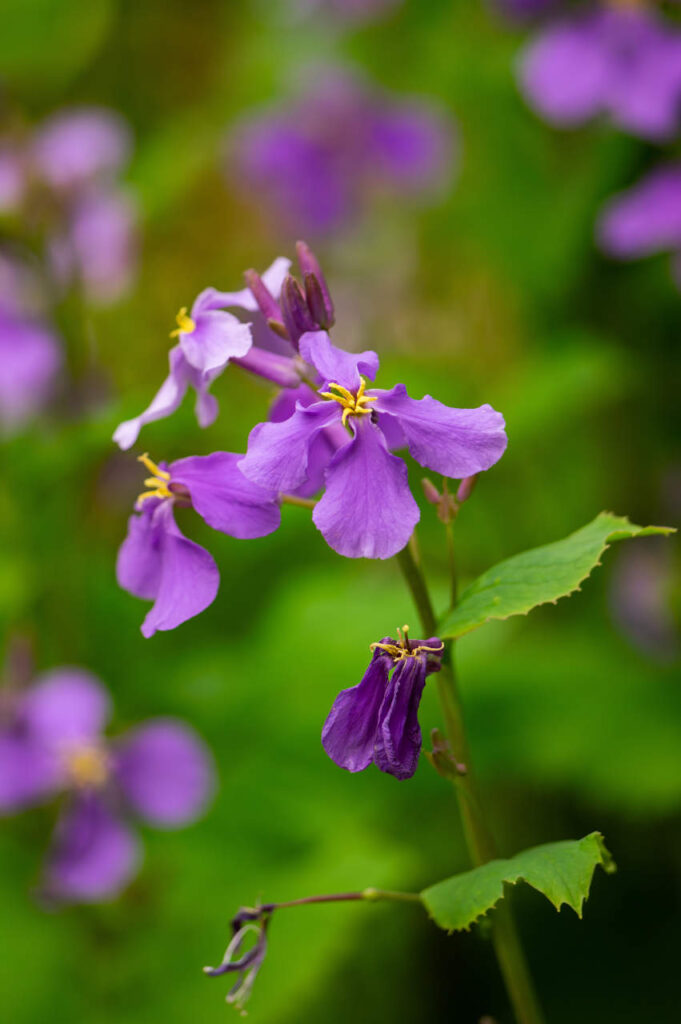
x=561, y=871
x=521, y=583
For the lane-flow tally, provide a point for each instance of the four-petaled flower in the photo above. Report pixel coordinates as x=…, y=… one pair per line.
x=158, y=563
x=367, y=509
x=51, y=743
x=377, y=720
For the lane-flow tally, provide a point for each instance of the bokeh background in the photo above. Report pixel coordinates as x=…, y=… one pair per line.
x=488, y=288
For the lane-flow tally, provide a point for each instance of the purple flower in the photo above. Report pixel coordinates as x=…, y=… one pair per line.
x=52, y=743
x=645, y=219
x=246, y=924
x=622, y=62
x=316, y=162
x=158, y=563
x=377, y=720
x=367, y=509
x=75, y=146
x=30, y=359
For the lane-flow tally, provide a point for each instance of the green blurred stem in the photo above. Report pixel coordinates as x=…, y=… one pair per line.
x=370, y=895
x=479, y=839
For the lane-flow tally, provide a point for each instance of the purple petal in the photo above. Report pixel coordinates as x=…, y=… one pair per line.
x=454, y=442
x=64, y=706
x=225, y=498
x=398, y=741
x=278, y=453
x=324, y=445
x=93, y=854
x=30, y=358
x=273, y=279
x=646, y=218
x=350, y=730
x=333, y=364
x=412, y=145
x=28, y=772
x=564, y=73
x=157, y=562
x=367, y=510
x=217, y=338
x=166, y=772
x=167, y=399
x=73, y=146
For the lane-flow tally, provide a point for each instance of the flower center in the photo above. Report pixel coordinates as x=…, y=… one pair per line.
x=87, y=766
x=157, y=482
x=185, y=324
x=352, y=405
x=404, y=649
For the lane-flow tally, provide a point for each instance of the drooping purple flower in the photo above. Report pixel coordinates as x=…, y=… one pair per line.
x=623, y=62
x=376, y=721
x=158, y=563
x=247, y=924
x=316, y=162
x=645, y=219
x=52, y=742
x=73, y=147
x=367, y=509
x=30, y=359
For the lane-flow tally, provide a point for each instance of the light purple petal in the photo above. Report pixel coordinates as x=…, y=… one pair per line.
x=644, y=219
x=167, y=399
x=278, y=453
x=166, y=772
x=28, y=772
x=30, y=358
x=398, y=741
x=454, y=442
x=64, y=706
x=217, y=338
x=225, y=498
x=367, y=510
x=158, y=563
x=350, y=730
x=273, y=278
x=206, y=406
x=333, y=364
x=93, y=854
x=74, y=146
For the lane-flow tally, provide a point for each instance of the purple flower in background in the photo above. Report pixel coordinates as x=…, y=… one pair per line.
x=316, y=161
x=642, y=589
x=645, y=219
x=367, y=509
x=158, y=563
x=52, y=742
x=75, y=146
x=376, y=721
x=619, y=61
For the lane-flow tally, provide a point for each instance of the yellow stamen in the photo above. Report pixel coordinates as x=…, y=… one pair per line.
x=404, y=651
x=185, y=324
x=158, y=481
x=87, y=766
x=353, y=405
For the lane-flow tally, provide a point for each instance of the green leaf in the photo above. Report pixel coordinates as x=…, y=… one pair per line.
x=561, y=871
x=520, y=583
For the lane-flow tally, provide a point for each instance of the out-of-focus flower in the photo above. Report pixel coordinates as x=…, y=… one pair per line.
x=158, y=563
x=248, y=923
x=12, y=178
x=52, y=742
x=315, y=162
x=621, y=61
x=367, y=509
x=645, y=219
x=641, y=590
x=376, y=721
x=74, y=147
x=523, y=10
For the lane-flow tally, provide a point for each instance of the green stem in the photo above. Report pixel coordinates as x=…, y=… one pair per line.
x=478, y=837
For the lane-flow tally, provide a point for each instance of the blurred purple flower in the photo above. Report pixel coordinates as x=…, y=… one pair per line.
x=623, y=62
x=52, y=742
x=377, y=720
x=367, y=509
x=641, y=591
x=315, y=162
x=645, y=219
x=73, y=147
x=158, y=563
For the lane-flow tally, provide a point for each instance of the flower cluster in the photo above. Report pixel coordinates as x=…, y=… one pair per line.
x=52, y=744
x=315, y=161
x=328, y=432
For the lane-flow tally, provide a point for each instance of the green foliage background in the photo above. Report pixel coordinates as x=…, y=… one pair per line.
x=495, y=294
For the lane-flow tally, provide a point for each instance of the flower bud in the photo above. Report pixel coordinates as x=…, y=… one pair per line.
x=310, y=265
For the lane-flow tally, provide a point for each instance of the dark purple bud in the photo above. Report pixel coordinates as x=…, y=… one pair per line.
x=294, y=311
x=268, y=305
x=310, y=265
x=430, y=491
x=466, y=488
x=315, y=302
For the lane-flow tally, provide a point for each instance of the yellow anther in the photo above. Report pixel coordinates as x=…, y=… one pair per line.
x=352, y=405
x=185, y=324
x=87, y=766
x=157, y=482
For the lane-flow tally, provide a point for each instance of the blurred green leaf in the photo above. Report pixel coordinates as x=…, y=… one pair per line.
x=561, y=871
x=521, y=583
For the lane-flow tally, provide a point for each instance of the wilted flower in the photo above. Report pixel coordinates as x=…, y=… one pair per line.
x=158, y=563
x=367, y=509
x=51, y=743
x=247, y=923
x=316, y=161
x=620, y=61
x=645, y=219
x=376, y=721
